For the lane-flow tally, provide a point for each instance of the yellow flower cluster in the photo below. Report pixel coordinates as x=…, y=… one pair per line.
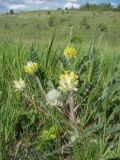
x=68, y=81
x=31, y=67
x=70, y=52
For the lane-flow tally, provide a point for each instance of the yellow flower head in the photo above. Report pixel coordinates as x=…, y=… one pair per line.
x=31, y=67
x=68, y=81
x=70, y=52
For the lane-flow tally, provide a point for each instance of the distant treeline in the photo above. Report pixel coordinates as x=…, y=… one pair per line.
x=94, y=7
x=102, y=6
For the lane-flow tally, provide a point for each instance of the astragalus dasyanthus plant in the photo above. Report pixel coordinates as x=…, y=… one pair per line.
x=67, y=86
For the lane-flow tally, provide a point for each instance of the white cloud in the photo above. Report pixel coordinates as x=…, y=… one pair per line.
x=114, y=4
x=19, y=5
x=16, y=6
x=35, y=2
x=72, y=1
x=70, y=5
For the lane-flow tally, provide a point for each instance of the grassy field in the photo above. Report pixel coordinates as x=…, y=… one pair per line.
x=40, y=25
x=84, y=124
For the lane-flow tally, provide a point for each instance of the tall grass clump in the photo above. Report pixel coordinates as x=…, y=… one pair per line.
x=59, y=102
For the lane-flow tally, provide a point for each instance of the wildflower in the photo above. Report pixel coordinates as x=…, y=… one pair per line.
x=74, y=137
x=53, y=97
x=68, y=81
x=19, y=85
x=70, y=52
x=31, y=67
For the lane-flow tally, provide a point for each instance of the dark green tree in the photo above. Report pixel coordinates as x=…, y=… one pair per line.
x=11, y=12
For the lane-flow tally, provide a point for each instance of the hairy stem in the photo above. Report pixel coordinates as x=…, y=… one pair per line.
x=73, y=120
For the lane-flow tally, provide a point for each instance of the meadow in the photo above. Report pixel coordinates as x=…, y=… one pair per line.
x=66, y=105
x=40, y=25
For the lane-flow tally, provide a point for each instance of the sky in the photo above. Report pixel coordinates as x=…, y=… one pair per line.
x=24, y=5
